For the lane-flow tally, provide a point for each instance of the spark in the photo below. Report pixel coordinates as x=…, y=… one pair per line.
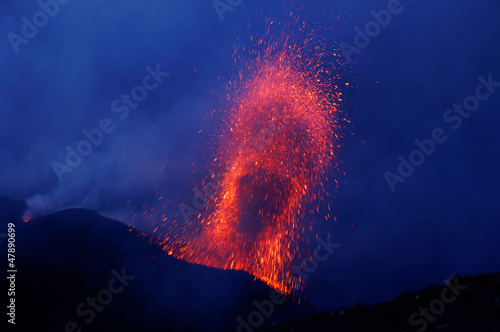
x=279, y=140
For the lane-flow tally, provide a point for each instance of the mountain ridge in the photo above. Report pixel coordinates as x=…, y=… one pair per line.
x=67, y=256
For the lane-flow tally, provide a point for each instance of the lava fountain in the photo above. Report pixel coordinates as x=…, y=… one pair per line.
x=277, y=145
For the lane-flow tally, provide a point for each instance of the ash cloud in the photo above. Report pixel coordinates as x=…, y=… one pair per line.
x=64, y=80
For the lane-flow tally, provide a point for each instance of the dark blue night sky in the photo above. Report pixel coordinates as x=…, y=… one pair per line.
x=443, y=219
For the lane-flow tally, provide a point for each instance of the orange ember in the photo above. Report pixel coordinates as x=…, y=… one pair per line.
x=27, y=215
x=277, y=145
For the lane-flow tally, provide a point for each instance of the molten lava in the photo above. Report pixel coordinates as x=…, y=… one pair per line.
x=281, y=132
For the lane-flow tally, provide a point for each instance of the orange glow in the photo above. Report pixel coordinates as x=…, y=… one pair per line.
x=279, y=141
x=27, y=216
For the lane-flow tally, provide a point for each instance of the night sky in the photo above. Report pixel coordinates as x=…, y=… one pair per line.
x=442, y=220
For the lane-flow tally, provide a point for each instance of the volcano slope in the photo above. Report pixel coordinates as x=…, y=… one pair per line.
x=67, y=259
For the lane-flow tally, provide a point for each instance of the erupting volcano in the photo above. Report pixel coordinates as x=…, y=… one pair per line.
x=277, y=145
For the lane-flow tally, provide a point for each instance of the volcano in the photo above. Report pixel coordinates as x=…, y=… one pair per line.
x=70, y=256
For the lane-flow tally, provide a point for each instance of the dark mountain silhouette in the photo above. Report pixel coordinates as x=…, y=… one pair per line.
x=67, y=257
x=475, y=307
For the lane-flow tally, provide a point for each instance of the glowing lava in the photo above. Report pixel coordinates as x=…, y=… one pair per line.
x=278, y=143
